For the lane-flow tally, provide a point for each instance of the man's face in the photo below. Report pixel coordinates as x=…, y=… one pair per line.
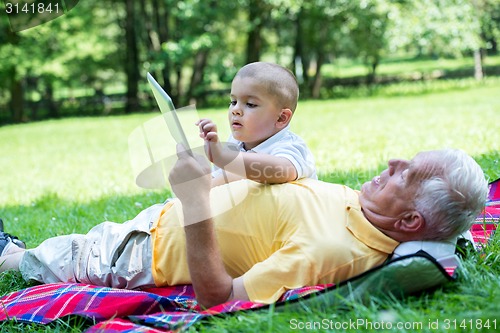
x=390, y=197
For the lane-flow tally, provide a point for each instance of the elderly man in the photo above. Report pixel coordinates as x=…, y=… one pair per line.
x=267, y=238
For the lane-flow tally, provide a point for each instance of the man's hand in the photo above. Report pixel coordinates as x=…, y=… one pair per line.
x=191, y=182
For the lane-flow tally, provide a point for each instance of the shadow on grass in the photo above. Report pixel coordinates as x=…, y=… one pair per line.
x=51, y=215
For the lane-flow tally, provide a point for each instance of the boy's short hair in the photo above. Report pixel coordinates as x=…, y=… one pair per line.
x=278, y=80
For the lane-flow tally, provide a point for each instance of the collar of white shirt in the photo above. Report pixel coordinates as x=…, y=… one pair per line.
x=266, y=144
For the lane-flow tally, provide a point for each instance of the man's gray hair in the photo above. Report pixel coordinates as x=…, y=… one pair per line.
x=450, y=202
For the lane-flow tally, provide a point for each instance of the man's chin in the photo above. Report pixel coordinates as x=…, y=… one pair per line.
x=363, y=188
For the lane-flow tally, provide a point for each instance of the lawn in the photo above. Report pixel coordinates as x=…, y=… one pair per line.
x=65, y=176
x=405, y=66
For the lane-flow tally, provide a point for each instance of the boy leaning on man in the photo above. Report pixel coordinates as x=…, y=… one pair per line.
x=263, y=100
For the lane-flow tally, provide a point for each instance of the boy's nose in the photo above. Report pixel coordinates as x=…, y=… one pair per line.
x=236, y=111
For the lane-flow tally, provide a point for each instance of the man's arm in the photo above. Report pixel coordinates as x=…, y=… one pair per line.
x=210, y=280
x=191, y=182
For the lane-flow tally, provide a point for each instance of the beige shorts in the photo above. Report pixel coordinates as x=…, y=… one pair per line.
x=110, y=254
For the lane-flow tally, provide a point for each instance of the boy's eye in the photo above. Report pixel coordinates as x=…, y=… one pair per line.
x=232, y=103
x=251, y=105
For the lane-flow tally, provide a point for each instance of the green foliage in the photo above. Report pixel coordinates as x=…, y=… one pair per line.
x=194, y=47
x=435, y=27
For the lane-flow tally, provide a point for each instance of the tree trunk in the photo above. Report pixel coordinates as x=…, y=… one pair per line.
x=16, y=98
x=200, y=62
x=494, y=46
x=478, y=65
x=254, y=42
x=370, y=79
x=316, y=87
x=49, y=97
x=177, y=96
x=162, y=21
x=300, y=63
x=320, y=60
x=131, y=59
x=16, y=102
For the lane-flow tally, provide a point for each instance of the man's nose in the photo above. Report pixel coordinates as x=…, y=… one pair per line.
x=396, y=164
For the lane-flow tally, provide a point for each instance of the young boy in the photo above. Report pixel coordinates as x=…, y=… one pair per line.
x=261, y=146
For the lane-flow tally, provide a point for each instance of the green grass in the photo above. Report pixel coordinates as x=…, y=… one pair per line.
x=65, y=176
x=404, y=66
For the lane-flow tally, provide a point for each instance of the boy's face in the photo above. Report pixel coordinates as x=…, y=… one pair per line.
x=253, y=113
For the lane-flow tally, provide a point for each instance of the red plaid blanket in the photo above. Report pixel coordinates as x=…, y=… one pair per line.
x=161, y=309
x=487, y=222
x=119, y=310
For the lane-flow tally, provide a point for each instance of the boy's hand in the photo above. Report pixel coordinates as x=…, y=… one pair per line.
x=208, y=132
x=221, y=154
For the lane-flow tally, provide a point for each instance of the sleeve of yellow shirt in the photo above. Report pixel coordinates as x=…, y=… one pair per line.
x=286, y=269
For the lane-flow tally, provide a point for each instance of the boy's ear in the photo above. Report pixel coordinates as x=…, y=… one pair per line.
x=284, y=118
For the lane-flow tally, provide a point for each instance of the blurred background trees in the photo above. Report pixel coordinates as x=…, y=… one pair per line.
x=93, y=60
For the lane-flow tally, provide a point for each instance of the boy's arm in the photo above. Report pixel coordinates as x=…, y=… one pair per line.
x=191, y=182
x=263, y=168
x=224, y=177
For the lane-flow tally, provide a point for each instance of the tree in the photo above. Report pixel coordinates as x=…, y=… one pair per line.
x=131, y=58
x=435, y=27
x=368, y=24
x=258, y=16
x=72, y=50
x=12, y=69
x=323, y=36
x=488, y=13
x=195, y=33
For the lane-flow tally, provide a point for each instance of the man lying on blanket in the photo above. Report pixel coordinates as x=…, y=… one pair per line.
x=272, y=238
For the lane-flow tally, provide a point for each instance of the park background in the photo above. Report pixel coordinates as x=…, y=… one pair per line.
x=379, y=79
x=93, y=60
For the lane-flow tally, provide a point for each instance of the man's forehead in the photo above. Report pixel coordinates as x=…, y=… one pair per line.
x=426, y=164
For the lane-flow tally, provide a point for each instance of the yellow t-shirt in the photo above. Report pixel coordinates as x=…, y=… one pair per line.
x=278, y=237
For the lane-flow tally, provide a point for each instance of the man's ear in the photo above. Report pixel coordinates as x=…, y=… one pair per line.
x=284, y=118
x=413, y=222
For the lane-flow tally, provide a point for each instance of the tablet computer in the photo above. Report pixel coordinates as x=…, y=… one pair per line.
x=169, y=113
